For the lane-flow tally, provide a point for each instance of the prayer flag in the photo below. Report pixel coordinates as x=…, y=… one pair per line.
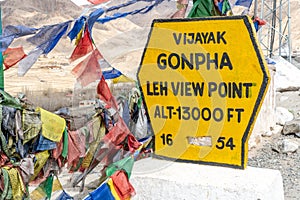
x=18, y=31
x=53, y=125
x=122, y=79
x=46, y=33
x=224, y=6
x=241, y=7
x=203, y=8
x=125, y=164
x=6, y=41
x=122, y=185
x=124, y=14
x=64, y=196
x=245, y=3
x=111, y=74
x=112, y=188
x=45, y=144
x=44, y=190
x=133, y=144
x=73, y=152
x=89, y=69
x=7, y=188
x=26, y=63
x=17, y=185
x=102, y=192
x=105, y=94
x=83, y=47
x=117, y=133
x=104, y=64
x=78, y=25
x=93, y=18
x=11, y=32
x=13, y=56
x=7, y=100
x=41, y=159
x=51, y=43
x=97, y=1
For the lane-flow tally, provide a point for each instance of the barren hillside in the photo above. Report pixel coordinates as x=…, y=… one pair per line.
x=36, y=13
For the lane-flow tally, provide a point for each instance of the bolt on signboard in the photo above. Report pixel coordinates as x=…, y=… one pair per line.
x=203, y=81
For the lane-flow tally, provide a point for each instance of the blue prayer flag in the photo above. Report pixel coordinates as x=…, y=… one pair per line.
x=110, y=74
x=77, y=27
x=18, y=31
x=64, y=196
x=54, y=39
x=102, y=192
x=11, y=32
x=120, y=15
x=45, y=144
x=6, y=41
x=245, y=3
x=93, y=18
x=46, y=33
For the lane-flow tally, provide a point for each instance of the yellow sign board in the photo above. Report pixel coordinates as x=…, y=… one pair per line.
x=203, y=81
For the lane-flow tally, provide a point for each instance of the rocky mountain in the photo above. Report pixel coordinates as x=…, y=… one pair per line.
x=36, y=13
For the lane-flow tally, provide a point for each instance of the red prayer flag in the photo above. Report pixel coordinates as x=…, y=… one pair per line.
x=88, y=70
x=97, y=1
x=58, y=150
x=73, y=152
x=12, y=56
x=133, y=144
x=122, y=185
x=83, y=47
x=105, y=95
x=118, y=133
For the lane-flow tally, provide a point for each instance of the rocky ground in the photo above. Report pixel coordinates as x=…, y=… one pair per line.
x=268, y=156
x=281, y=151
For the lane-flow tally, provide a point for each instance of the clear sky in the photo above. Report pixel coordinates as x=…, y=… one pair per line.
x=80, y=2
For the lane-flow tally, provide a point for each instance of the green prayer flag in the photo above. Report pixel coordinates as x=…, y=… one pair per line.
x=226, y=7
x=3, y=141
x=7, y=100
x=7, y=191
x=203, y=8
x=48, y=186
x=140, y=99
x=44, y=190
x=125, y=164
x=65, y=144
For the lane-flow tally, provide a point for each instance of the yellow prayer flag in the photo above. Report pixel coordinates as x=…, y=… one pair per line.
x=78, y=37
x=53, y=125
x=41, y=159
x=122, y=79
x=56, y=186
x=18, y=189
x=113, y=189
x=37, y=194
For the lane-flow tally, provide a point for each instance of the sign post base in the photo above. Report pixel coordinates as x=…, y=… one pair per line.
x=160, y=179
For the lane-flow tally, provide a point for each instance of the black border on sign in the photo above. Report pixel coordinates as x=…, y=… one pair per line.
x=262, y=90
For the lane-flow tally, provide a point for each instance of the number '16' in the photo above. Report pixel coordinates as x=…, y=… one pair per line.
x=167, y=139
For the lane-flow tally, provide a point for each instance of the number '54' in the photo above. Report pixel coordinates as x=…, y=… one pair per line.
x=222, y=143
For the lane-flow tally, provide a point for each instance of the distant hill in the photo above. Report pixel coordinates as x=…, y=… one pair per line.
x=36, y=13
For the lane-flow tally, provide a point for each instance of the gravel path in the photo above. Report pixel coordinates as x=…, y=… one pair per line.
x=266, y=156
